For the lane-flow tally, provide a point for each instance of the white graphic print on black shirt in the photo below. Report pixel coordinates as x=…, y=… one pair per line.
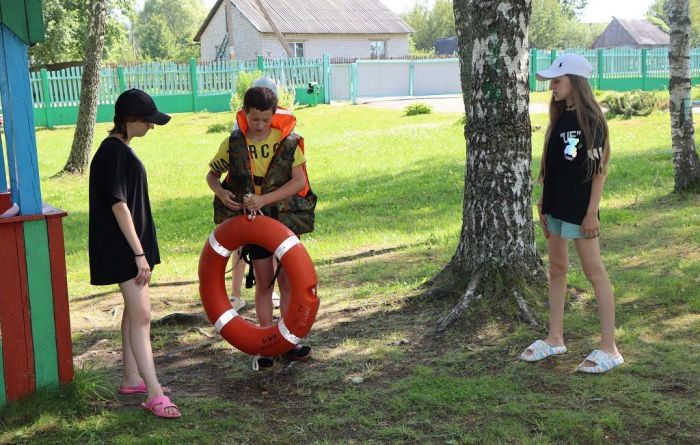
x=567, y=190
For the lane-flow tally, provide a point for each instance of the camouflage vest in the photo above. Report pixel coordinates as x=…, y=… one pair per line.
x=295, y=212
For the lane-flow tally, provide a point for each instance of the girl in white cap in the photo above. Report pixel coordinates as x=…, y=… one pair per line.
x=573, y=169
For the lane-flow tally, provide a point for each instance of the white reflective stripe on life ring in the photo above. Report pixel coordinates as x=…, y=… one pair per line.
x=218, y=248
x=291, y=338
x=285, y=246
x=225, y=318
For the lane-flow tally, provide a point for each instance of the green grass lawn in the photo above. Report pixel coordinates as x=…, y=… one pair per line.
x=389, y=214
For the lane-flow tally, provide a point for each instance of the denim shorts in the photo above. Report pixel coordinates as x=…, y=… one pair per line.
x=564, y=229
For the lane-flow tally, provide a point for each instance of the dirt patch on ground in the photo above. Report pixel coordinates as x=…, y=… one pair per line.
x=194, y=361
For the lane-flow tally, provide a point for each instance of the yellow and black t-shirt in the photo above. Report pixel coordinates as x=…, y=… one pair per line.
x=261, y=153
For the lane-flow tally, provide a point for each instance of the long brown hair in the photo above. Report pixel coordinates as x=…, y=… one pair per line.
x=119, y=128
x=591, y=120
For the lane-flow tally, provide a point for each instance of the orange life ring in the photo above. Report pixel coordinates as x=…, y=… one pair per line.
x=303, y=306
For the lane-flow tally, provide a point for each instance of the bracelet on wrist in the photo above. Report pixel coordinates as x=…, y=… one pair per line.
x=139, y=254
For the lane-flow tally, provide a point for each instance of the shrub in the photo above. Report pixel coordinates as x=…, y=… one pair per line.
x=634, y=103
x=224, y=127
x=245, y=80
x=286, y=97
x=418, y=108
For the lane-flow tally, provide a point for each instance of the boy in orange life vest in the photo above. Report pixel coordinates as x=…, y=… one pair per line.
x=238, y=269
x=265, y=134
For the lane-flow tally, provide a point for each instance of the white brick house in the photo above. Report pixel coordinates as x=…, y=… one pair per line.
x=355, y=29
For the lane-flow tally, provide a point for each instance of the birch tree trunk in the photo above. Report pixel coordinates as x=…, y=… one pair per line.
x=497, y=243
x=89, y=89
x=685, y=158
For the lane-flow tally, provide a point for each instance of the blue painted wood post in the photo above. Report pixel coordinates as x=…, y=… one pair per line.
x=122, y=79
x=327, y=77
x=353, y=83
x=46, y=92
x=645, y=68
x=19, y=123
x=411, y=76
x=601, y=67
x=195, y=84
x=533, y=69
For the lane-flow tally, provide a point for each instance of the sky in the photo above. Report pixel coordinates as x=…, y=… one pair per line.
x=602, y=11
x=597, y=11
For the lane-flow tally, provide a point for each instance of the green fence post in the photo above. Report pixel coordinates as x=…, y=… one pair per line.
x=552, y=55
x=195, y=86
x=327, y=77
x=353, y=83
x=411, y=76
x=122, y=78
x=601, y=67
x=533, y=69
x=645, y=68
x=261, y=64
x=47, y=96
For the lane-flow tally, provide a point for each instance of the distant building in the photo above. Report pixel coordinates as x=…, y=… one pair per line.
x=632, y=34
x=353, y=29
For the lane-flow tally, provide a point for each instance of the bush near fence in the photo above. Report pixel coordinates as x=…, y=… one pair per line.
x=198, y=86
x=618, y=69
x=176, y=87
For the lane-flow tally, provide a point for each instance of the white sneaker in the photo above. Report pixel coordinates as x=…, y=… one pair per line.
x=237, y=302
x=275, y=299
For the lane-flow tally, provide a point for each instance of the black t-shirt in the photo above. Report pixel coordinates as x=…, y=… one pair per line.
x=567, y=186
x=116, y=174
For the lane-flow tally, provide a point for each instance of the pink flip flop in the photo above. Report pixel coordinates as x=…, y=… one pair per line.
x=139, y=389
x=158, y=406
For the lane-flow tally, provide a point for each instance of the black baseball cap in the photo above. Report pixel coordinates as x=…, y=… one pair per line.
x=137, y=103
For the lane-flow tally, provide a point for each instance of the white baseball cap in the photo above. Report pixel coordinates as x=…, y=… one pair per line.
x=266, y=82
x=567, y=64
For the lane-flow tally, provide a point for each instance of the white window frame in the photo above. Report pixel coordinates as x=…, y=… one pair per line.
x=295, y=47
x=385, y=45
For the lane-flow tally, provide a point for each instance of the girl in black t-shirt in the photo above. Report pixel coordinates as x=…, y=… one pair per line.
x=122, y=241
x=573, y=168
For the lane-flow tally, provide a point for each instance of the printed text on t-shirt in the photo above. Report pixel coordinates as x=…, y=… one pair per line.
x=264, y=150
x=569, y=134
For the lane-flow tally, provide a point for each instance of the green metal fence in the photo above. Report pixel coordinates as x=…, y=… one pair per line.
x=196, y=86
x=176, y=87
x=619, y=69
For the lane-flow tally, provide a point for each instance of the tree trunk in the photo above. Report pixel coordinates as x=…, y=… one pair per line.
x=497, y=244
x=685, y=158
x=89, y=89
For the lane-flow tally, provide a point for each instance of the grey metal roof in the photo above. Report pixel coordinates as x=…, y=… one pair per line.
x=319, y=17
x=644, y=32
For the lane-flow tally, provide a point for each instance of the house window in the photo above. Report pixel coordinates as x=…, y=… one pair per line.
x=377, y=49
x=297, y=48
